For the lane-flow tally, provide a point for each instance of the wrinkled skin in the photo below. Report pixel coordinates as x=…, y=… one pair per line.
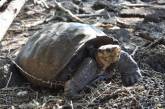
x=128, y=69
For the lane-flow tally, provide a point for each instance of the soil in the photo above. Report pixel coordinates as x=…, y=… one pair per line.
x=135, y=32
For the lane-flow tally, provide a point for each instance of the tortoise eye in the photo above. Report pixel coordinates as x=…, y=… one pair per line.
x=109, y=50
x=99, y=50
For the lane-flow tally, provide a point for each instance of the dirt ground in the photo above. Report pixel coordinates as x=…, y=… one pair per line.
x=140, y=29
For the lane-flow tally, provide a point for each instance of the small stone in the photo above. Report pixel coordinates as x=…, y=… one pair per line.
x=22, y=93
x=76, y=1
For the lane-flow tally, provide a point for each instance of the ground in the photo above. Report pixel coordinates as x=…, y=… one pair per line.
x=137, y=27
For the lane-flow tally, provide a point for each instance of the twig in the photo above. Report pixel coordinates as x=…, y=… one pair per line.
x=156, y=42
x=9, y=80
x=145, y=36
x=149, y=13
x=134, y=51
x=144, y=5
x=3, y=57
x=99, y=94
x=71, y=103
x=4, y=4
x=89, y=15
x=41, y=2
x=68, y=12
x=13, y=107
x=118, y=91
x=164, y=87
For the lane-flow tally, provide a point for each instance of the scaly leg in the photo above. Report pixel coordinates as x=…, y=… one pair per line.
x=83, y=76
x=130, y=72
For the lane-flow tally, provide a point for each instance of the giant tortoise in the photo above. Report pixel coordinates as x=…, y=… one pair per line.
x=72, y=55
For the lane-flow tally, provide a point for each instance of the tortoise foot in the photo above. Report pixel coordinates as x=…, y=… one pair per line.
x=85, y=74
x=131, y=79
x=70, y=90
x=129, y=70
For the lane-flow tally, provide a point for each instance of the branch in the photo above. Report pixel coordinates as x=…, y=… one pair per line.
x=8, y=15
x=154, y=41
x=144, y=5
x=68, y=12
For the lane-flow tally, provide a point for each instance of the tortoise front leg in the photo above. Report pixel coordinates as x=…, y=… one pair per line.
x=83, y=76
x=130, y=72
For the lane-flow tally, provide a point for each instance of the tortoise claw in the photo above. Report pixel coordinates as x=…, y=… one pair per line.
x=129, y=80
x=70, y=90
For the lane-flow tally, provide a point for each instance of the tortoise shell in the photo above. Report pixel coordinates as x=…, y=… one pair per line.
x=49, y=52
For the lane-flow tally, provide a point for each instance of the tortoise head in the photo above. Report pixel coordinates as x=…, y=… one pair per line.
x=107, y=55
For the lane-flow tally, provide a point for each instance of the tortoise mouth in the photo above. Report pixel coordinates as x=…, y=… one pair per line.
x=107, y=55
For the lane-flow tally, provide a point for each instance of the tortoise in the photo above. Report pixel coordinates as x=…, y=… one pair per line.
x=72, y=55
